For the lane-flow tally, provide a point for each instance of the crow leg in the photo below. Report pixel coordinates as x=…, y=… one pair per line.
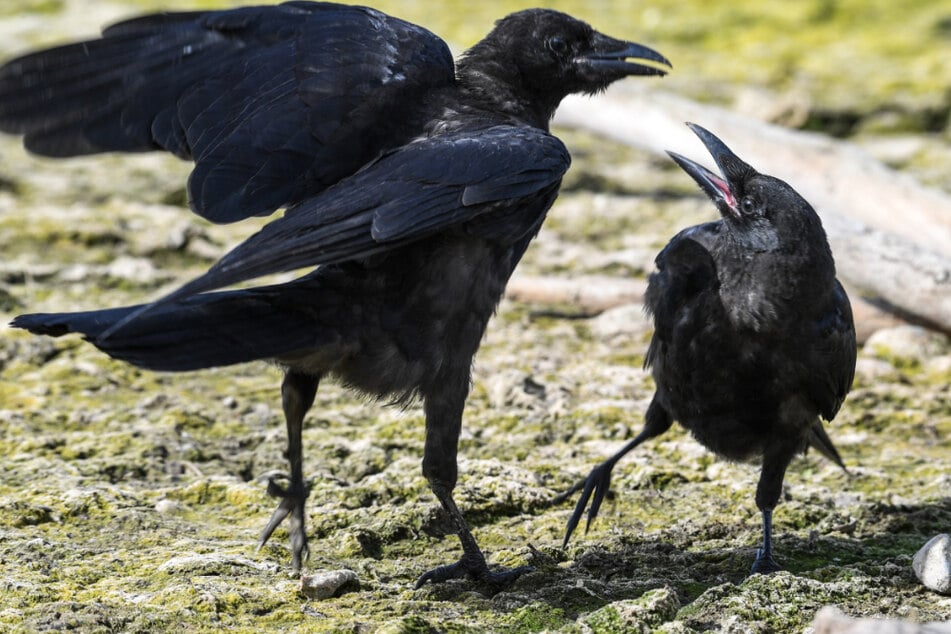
x=443, y=423
x=656, y=421
x=768, y=491
x=297, y=395
x=764, y=556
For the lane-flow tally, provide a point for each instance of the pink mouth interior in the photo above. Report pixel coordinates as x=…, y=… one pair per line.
x=724, y=188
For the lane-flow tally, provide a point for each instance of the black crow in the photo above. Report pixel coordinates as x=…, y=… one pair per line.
x=753, y=335
x=414, y=186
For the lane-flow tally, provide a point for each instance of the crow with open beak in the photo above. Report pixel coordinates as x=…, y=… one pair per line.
x=754, y=339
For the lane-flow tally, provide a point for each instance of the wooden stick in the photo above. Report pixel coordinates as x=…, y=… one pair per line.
x=591, y=295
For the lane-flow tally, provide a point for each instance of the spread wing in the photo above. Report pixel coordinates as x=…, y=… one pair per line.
x=496, y=182
x=273, y=103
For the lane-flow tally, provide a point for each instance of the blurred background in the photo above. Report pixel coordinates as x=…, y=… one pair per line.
x=849, y=68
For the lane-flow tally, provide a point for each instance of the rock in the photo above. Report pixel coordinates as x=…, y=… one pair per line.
x=212, y=564
x=830, y=620
x=513, y=387
x=644, y=614
x=324, y=585
x=932, y=564
x=168, y=506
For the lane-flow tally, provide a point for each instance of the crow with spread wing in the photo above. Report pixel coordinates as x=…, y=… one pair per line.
x=413, y=185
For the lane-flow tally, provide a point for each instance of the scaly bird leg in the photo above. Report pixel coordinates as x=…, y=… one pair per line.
x=768, y=491
x=598, y=482
x=443, y=423
x=297, y=395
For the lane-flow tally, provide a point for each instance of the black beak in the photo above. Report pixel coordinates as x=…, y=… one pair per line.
x=609, y=54
x=717, y=187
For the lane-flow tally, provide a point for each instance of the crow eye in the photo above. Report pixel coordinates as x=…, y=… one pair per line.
x=557, y=45
x=747, y=205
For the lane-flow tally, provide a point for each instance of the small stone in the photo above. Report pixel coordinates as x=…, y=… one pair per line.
x=167, y=506
x=932, y=564
x=324, y=585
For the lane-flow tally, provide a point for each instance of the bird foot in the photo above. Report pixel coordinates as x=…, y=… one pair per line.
x=292, y=502
x=764, y=564
x=597, y=484
x=476, y=570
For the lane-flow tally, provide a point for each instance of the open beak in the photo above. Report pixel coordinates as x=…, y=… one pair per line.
x=612, y=55
x=716, y=186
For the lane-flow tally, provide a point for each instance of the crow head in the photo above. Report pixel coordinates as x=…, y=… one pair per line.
x=763, y=213
x=537, y=57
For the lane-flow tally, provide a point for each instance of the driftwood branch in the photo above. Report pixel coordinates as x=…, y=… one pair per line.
x=588, y=295
x=591, y=295
x=891, y=236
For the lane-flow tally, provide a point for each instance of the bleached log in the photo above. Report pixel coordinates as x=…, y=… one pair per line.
x=591, y=295
x=891, y=235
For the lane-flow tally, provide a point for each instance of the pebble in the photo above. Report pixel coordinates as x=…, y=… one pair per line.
x=324, y=585
x=167, y=506
x=932, y=564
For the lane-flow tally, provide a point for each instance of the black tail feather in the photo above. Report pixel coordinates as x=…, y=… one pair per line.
x=820, y=441
x=209, y=330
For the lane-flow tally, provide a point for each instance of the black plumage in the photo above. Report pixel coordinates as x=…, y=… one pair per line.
x=414, y=186
x=754, y=339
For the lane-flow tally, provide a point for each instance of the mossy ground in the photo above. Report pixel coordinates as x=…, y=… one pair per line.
x=131, y=501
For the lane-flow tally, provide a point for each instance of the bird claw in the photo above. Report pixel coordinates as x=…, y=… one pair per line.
x=477, y=571
x=764, y=564
x=292, y=502
x=597, y=483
